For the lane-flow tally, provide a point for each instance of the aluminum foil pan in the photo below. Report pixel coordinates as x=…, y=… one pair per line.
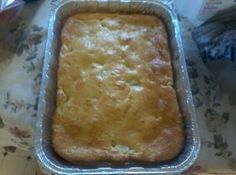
x=47, y=158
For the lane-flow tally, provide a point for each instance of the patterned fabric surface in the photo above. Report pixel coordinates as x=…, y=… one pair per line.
x=14, y=161
x=22, y=52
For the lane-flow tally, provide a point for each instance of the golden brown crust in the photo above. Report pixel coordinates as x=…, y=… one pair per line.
x=115, y=100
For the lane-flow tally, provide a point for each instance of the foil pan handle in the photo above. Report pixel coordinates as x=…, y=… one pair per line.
x=54, y=3
x=167, y=2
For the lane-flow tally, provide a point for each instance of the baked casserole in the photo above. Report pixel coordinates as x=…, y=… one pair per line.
x=115, y=97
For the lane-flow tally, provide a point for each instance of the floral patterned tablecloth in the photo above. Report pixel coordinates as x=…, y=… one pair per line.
x=21, y=56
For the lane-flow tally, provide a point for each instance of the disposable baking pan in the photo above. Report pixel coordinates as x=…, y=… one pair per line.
x=47, y=158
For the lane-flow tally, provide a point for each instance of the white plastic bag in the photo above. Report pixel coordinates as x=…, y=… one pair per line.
x=216, y=40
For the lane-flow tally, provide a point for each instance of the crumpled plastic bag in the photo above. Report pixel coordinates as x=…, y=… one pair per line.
x=216, y=40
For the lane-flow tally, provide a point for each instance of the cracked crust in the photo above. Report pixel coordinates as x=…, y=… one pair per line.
x=115, y=100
